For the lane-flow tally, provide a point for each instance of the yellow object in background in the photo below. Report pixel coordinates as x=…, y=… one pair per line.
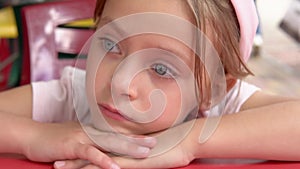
x=8, y=27
x=85, y=23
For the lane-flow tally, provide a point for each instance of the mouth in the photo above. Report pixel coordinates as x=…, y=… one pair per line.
x=111, y=112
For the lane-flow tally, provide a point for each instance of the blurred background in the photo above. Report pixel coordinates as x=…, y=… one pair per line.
x=277, y=67
x=275, y=61
x=38, y=38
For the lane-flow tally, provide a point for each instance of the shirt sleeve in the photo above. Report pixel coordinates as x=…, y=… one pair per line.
x=238, y=96
x=53, y=100
x=234, y=99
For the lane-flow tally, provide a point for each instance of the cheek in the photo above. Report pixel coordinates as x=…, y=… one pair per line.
x=180, y=102
x=172, y=113
x=103, y=77
x=100, y=80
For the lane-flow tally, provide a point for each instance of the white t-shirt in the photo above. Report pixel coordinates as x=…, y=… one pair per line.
x=59, y=100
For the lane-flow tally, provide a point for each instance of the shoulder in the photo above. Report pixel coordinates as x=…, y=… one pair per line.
x=238, y=95
x=234, y=99
x=73, y=73
x=62, y=94
x=70, y=77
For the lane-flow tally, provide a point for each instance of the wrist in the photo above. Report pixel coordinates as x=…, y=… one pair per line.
x=27, y=135
x=17, y=131
x=195, y=148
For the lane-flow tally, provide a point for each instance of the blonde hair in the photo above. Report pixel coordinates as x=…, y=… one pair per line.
x=219, y=17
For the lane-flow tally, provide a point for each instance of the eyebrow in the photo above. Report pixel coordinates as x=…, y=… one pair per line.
x=107, y=20
x=175, y=51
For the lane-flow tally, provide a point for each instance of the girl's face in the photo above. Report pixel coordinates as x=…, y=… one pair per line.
x=161, y=74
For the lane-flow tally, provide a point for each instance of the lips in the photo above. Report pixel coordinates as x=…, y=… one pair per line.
x=111, y=112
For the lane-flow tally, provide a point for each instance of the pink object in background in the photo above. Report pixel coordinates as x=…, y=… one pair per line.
x=44, y=37
x=248, y=20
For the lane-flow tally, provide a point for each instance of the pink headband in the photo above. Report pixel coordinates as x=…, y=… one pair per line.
x=248, y=20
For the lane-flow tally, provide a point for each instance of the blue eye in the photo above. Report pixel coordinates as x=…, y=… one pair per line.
x=163, y=70
x=110, y=46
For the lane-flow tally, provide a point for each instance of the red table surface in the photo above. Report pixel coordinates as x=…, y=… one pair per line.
x=20, y=163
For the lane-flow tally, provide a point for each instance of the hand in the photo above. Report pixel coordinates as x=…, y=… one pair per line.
x=68, y=141
x=180, y=155
x=126, y=145
x=176, y=157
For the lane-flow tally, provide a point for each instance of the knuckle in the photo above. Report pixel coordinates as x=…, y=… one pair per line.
x=89, y=150
x=184, y=161
x=79, y=134
x=82, y=152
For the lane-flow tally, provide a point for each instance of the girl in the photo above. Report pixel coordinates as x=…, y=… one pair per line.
x=265, y=127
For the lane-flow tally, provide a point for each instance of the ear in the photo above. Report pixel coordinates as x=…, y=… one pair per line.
x=230, y=81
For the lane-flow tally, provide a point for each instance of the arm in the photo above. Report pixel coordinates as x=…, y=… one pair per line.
x=268, y=127
x=15, y=132
x=44, y=142
x=15, y=114
x=17, y=101
x=47, y=142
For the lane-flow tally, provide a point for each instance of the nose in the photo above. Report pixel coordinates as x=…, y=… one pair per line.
x=135, y=97
x=124, y=82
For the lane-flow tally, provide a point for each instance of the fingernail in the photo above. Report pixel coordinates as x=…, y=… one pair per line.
x=150, y=140
x=59, y=164
x=143, y=150
x=114, y=166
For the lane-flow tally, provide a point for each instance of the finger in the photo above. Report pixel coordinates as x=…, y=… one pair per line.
x=170, y=159
x=133, y=146
x=97, y=135
x=142, y=163
x=127, y=148
x=70, y=164
x=142, y=140
x=90, y=166
x=95, y=156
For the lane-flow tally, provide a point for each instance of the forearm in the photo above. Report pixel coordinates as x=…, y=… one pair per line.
x=15, y=119
x=15, y=133
x=17, y=101
x=269, y=132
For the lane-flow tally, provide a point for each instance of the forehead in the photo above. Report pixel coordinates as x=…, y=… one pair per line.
x=118, y=8
x=115, y=9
